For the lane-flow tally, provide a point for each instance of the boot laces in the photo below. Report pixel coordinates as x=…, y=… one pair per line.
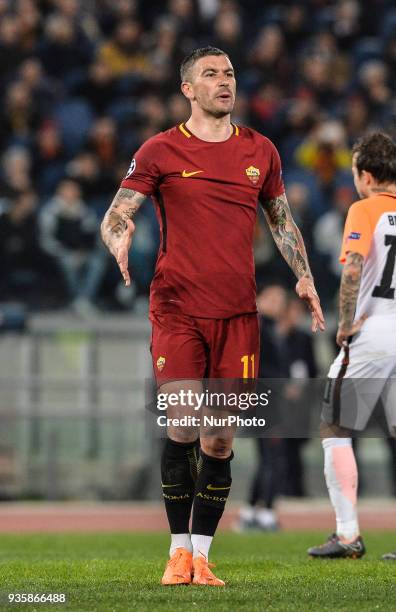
x=175, y=559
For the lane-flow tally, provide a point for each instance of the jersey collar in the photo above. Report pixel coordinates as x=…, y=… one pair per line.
x=186, y=132
x=386, y=193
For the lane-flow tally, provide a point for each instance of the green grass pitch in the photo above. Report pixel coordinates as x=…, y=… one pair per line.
x=121, y=572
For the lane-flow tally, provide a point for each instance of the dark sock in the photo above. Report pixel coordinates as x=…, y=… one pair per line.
x=179, y=473
x=211, y=492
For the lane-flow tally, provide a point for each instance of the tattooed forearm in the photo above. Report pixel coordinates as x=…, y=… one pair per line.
x=350, y=283
x=286, y=234
x=124, y=206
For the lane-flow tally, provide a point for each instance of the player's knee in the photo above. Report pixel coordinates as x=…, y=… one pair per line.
x=183, y=434
x=217, y=447
x=328, y=430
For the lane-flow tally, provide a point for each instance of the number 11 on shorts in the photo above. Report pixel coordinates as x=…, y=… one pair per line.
x=245, y=361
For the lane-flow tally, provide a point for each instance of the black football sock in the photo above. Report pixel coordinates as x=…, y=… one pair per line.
x=211, y=492
x=179, y=473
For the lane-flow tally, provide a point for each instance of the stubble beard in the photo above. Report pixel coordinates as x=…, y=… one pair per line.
x=217, y=112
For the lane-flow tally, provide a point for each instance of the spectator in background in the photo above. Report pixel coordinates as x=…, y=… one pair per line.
x=83, y=16
x=97, y=86
x=103, y=143
x=373, y=78
x=336, y=65
x=69, y=233
x=152, y=110
x=29, y=24
x=104, y=149
x=123, y=53
x=26, y=272
x=296, y=348
x=16, y=172
x=177, y=109
x=286, y=353
x=355, y=117
x=295, y=26
x=328, y=231
x=228, y=36
x=111, y=12
x=390, y=57
x=299, y=200
x=3, y=8
x=42, y=89
x=48, y=158
x=64, y=49
x=259, y=513
x=165, y=56
x=300, y=117
x=315, y=79
x=325, y=153
x=268, y=57
x=69, y=8
x=240, y=113
x=96, y=184
x=188, y=21
x=20, y=115
x=267, y=108
x=11, y=53
x=346, y=24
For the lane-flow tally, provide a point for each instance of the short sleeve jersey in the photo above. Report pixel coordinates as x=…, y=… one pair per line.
x=370, y=229
x=206, y=196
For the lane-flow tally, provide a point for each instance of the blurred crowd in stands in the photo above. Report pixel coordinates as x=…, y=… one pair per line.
x=84, y=83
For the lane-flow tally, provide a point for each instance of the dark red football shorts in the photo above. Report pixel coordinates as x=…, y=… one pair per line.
x=185, y=347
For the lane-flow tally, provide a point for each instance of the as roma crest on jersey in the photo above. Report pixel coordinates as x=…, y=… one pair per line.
x=253, y=174
x=161, y=363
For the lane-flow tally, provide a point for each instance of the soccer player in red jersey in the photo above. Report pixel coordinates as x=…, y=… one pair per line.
x=205, y=177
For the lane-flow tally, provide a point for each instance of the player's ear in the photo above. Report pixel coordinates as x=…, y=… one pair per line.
x=187, y=90
x=368, y=177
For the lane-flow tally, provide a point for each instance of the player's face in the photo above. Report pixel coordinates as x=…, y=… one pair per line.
x=213, y=85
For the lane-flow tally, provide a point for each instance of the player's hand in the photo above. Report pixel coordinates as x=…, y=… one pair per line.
x=305, y=290
x=343, y=333
x=119, y=245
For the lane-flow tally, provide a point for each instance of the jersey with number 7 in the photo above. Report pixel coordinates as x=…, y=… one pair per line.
x=370, y=230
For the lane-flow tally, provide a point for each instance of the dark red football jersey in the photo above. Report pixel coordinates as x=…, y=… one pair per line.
x=206, y=196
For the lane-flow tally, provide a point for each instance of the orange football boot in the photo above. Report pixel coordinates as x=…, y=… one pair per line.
x=178, y=569
x=202, y=573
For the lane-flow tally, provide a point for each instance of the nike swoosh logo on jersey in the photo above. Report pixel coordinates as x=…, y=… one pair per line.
x=164, y=486
x=186, y=174
x=212, y=488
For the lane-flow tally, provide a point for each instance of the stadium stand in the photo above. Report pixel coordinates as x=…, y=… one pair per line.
x=83, y=84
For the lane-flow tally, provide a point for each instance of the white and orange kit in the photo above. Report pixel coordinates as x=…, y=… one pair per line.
x=365, y=370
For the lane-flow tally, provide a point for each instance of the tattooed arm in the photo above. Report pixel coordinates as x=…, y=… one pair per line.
x=349, y=290
x=289, y=241
x=286, y=234
x=124, y=206
x=117, y=226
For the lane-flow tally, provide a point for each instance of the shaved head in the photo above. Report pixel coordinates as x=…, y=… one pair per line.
x=189, y=61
